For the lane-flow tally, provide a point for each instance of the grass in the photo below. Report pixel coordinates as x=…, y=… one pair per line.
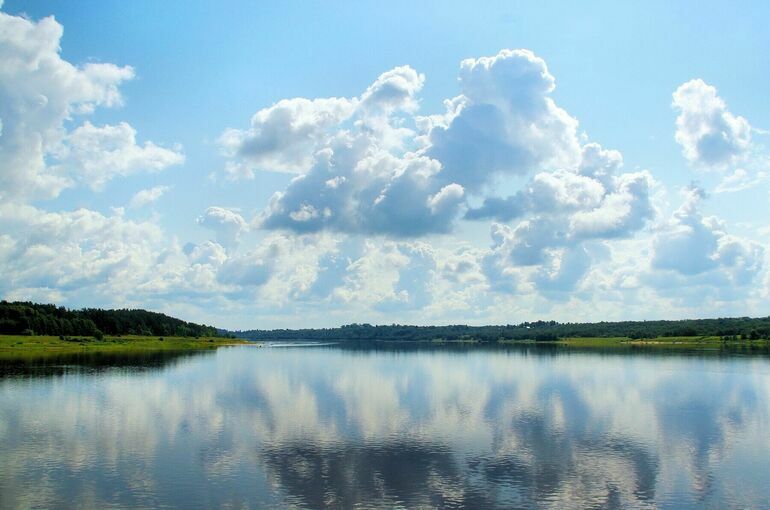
x=19, y=347
x=16, y=347
x=454, y=341
x=674, y=341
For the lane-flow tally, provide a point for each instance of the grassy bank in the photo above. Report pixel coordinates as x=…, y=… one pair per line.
x=14, y=347
x=688, y=342
x=17, y=347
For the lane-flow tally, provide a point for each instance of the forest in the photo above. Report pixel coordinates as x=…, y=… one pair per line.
x=739, y=328
x=26, y=318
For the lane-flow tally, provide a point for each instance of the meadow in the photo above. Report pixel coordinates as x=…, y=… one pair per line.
x=36, y=346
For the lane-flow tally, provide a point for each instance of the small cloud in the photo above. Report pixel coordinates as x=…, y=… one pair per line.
x=227, y=224
x=740, y=180
x=147, y=196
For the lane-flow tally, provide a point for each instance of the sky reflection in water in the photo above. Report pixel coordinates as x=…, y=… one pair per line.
x=324, y=426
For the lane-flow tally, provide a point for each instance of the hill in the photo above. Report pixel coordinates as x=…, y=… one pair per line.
x=26, y=318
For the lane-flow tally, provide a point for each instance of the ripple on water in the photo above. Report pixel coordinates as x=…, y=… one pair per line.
x=322, y=426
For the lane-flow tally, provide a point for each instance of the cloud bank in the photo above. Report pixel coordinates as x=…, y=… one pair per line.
x=381, y=217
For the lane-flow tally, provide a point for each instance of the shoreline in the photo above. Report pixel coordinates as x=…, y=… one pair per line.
x=694, y=342
x=14, y=347
x=19, y=347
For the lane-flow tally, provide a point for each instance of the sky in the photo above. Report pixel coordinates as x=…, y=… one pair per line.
x=306, y=164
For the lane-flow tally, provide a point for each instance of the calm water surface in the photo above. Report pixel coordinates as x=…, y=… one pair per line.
x=325, y=426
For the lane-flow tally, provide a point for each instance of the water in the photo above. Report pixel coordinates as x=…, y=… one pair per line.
x=326, y=426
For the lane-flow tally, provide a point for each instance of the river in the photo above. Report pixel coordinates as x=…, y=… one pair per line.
x=396, y=427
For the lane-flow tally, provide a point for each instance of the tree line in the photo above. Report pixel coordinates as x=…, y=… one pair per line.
x=729, y=328
x=26, y=318
x=29, y=318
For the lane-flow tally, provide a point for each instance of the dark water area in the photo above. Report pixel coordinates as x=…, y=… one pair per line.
x=95, y=362
x=387, y=427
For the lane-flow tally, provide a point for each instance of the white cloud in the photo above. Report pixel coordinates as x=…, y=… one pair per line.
x=548, y=251
x=107, y=260
x=557, y=213
x=565, y=269
x=528, y=259
x=394, y=90
x=364, y=179
x=147, y=196
x=369, y=172
x=371, y=278
x=78, y=250
x=390, y=277
x=209, y=253
x=623, y=210
x=709, y=134
x=699, y=251
x=249, y=270
x=600, y=202
x=366, y=176
x=504, y=123
x=413, y=289
x=283, y=137
x=286, y=136
x=462, y=266
x=39, y=94
x=227, y=224
x=740, y=180
x=97, y=154
x=496, y=266
x=357, y=187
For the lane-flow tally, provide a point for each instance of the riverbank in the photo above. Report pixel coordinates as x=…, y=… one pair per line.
x=674, y=342
x=685, y=342
x=31, y=347
x=17, y=346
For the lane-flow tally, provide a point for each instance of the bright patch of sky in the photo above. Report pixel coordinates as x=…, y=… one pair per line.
x=294, y=165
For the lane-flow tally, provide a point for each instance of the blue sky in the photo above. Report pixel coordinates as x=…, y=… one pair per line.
x=160, y=149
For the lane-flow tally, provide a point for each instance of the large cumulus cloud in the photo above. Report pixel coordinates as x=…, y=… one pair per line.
x=356, y=173
x=505, y=122
x=710, y=135
x=370, y=165
x=40, y=94
x=283, y=137
x=358, y=188
x=376, y=168
x=591, y=200
x=556, y=215
x=697, y=247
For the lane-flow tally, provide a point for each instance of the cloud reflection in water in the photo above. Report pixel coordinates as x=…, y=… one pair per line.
x=314, y=427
